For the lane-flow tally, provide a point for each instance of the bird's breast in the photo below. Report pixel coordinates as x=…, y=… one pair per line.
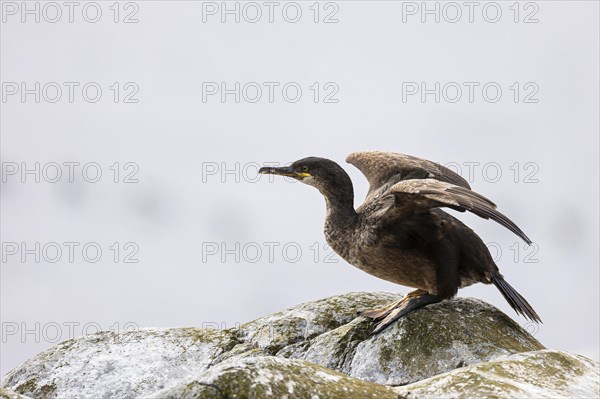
x=340, y=240
x=404, y=267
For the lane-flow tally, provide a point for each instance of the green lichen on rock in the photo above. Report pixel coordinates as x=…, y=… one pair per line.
x=114, y=365
x=304, y=322
x=539, y=374
x=418, y=346
x=334, y=349
x=6, y=394
x=462, y=348
x=275, y=377
x=424, y=343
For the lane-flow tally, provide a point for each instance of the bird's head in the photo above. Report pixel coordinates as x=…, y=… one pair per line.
x=322, y=173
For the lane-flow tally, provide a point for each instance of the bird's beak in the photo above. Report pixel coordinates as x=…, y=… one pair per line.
x=283, y=171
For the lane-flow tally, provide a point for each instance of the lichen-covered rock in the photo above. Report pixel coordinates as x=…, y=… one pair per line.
x=424, y=344
x=420, y=345
x=297, y=325
x=6, y=394
x=540, y=374
x=315, y=349
x=274, y=377
x=124, y=365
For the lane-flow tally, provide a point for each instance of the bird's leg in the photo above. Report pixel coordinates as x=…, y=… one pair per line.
x=412, y=303
x=380, y=313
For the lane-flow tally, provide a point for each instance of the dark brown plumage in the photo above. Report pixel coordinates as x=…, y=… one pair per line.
x=399, y=233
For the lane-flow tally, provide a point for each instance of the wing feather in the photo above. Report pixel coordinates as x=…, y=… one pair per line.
x=379, y=167
x=421, y=195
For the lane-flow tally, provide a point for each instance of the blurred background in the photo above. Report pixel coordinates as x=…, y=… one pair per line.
x=131, y=134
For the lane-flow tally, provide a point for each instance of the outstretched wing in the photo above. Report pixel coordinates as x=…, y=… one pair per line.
x=420, y=195
x=379, y=167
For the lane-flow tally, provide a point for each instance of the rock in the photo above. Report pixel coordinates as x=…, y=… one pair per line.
x=274, y=377
x=425, y=344
x=297, y=325
x=319, y=348
x=6, y=394
x=111, y=365
x=418, y=346
x=541, y=374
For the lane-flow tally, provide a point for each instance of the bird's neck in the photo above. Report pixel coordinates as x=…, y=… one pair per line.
x=340, y=206
x=340, y=222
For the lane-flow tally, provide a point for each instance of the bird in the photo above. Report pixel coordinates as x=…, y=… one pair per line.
x=401, y=234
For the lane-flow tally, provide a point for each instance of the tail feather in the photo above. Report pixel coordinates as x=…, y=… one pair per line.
x=514, y=299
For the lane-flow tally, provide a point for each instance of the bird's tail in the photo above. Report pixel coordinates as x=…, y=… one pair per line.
x=515, y=300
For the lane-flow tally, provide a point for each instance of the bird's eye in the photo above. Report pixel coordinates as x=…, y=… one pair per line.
x=305, y=168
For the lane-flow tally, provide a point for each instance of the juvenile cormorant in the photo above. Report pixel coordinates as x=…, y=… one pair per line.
x=399, y=233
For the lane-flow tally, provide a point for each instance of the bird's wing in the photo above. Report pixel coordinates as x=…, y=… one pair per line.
x=379, y=167
x=411, y=197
